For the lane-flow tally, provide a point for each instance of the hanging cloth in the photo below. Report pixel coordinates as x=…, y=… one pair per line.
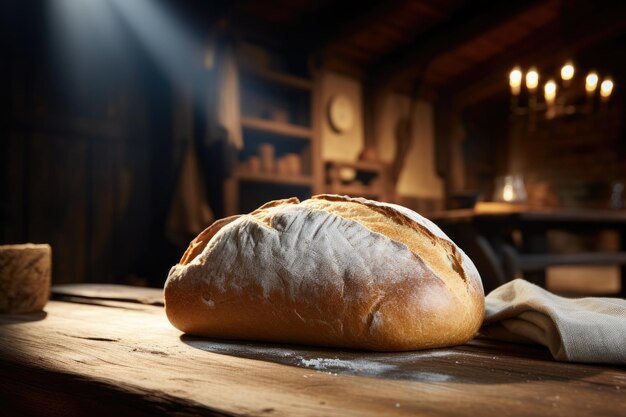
x=189, y=211
x=228, y=112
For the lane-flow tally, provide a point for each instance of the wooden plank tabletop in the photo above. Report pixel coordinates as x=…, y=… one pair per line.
x=125, y=358
x=489, y=210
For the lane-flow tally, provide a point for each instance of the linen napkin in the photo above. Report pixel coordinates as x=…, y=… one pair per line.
x=577, y=330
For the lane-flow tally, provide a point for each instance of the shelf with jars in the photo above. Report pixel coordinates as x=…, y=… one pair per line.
x=280, y=156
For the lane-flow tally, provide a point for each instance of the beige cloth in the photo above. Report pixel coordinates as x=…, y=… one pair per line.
x=576, y=330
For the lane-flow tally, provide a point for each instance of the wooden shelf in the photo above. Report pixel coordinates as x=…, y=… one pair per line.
x=262, y=177
x=296, y=99
x=372, y=166
x=355, y=190
x=278, y=128
x=376, y=188
x=279, y=78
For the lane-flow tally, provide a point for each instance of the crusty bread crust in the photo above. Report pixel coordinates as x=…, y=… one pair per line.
x=331, y=271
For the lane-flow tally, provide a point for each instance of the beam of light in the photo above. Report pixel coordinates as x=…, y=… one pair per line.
x=87, y=41
x=94, y=40
x=168, y=41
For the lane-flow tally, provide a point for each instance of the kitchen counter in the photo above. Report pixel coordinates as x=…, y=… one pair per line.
x=97, y=356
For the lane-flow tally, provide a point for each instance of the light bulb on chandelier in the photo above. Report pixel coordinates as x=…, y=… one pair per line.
x=560, y=97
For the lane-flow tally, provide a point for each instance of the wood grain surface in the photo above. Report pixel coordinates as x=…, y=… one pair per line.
x=142, y=295
x=125, y=358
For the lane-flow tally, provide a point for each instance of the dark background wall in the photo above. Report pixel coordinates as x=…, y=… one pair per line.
x=89, y=143
x=87, y=153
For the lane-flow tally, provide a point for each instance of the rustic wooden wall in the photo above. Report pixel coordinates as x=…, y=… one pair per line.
x=580, y=156
x=81, y=184
x=85, y=165
x=577, y=157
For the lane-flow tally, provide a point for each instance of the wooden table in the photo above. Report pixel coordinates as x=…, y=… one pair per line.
x=103, y=357
x=486, y=234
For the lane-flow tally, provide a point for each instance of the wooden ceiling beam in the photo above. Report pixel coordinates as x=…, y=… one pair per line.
x=237, y=23
x=331, y=23
x=341, y=20
x=469, y=22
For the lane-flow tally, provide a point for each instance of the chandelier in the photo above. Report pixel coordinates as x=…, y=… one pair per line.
x=561, y=98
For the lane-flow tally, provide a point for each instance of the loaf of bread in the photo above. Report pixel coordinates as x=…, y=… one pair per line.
x=330, y=271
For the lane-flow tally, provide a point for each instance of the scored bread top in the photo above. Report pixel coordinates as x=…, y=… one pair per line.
x=438, y=253
x=422, y=237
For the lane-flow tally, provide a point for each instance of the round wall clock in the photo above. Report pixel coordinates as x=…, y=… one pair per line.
x=340, y=113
